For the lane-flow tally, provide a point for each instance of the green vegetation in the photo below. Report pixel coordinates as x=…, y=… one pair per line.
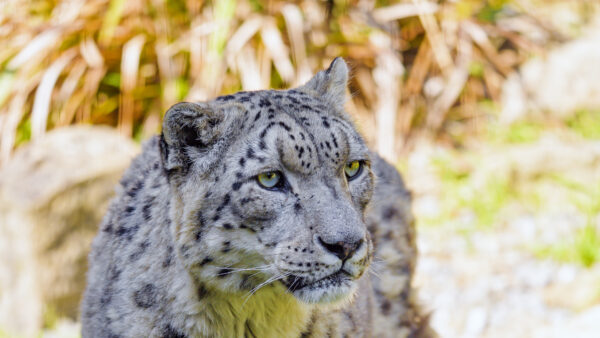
x=460, y=195
x=518, y=132
x=585, y=123
x=584, y=246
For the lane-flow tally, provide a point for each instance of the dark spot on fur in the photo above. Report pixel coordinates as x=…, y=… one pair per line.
x=264, y=103
x=226, y=98
x=200, y=218
x=127, y=232
x=224, y=272
x=146, y=210
x=334, y=139
x=297, y=207
x=133, y=190
x=140, y=250
x=198, y=235
x=227, y=226
x=386, y=306
x=169, y=332
x=242, y=162
x=226, y=200
x=389, y=213
x=169, y=257
x=202, y=292
x=236, y=186
x=246, y=283
x=185, y=251
x=146, y=296
x=108, y=227
x=250, y=152
x=285, y=126
x=205, y=261
x=226, y=247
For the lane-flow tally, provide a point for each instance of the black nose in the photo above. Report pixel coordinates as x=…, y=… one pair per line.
x=342, y=249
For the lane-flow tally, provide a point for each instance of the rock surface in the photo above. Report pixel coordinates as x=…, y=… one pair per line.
x=487, y=281
x=53, y=193
x=563, y=81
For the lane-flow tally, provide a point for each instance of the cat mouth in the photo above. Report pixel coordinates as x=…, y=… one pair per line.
x=297, y=283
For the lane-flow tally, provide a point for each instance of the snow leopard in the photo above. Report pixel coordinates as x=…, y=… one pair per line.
x=257, y=214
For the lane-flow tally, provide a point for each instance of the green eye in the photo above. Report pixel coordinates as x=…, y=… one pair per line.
x=352, y=169
x=269, y=179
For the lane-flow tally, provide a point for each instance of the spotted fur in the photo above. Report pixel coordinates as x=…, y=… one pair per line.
x=194, y=246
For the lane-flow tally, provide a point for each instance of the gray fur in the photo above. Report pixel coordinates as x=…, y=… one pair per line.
x=194, y=246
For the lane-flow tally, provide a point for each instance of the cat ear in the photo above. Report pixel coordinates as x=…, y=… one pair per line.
x=189, y=130
x=330, y=84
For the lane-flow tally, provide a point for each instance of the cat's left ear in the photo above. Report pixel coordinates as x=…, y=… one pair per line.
x=330, y=84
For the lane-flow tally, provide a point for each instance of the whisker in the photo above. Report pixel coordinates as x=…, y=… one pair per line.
x=268, y=281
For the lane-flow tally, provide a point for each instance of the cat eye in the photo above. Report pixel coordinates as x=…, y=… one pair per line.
x=269, y=180
x=353, y=169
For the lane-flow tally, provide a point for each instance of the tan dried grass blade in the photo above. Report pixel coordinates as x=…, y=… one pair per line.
x=388, y=78
x=11, y=120
x=43, y=94
x=91, y=53
x=478, y=35
x=436, y=39
x=69, y=85
x=241, y=36
x=404, y=10
x=129, y=74
x=453, y=86
x=36, y=49
x=248, y=68
x=278, y=51
x=295, y=29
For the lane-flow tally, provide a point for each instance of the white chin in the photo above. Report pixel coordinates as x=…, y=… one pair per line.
x=327, y=293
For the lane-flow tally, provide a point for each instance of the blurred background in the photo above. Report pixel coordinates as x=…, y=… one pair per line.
x=490, y=109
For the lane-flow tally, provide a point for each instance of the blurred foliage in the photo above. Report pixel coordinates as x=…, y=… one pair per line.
x=584, y=246
x=518, y=132
x=463, y=199
x=586, y=123
x=123, y=63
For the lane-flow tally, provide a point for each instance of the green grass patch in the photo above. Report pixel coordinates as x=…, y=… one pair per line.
x=585, y=123
x=518, y=132
x=583, y=248
x=460, y=194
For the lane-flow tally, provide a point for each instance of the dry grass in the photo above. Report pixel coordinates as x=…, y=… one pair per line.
x=416, y=64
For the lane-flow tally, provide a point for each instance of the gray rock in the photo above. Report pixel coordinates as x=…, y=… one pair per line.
x=565, y=80
x=53, y=193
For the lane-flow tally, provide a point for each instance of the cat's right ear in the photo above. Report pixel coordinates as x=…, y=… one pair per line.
x=189, y=131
